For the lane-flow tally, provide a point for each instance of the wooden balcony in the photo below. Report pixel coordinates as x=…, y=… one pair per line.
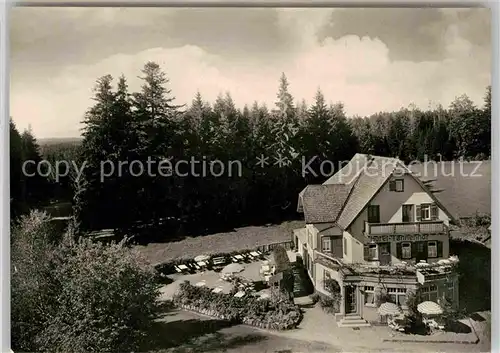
x=427, y=227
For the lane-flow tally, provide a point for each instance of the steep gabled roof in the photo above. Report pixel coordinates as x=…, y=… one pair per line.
x=348, y=173
x=369, y=181
x=323, y=203
x=344, y=196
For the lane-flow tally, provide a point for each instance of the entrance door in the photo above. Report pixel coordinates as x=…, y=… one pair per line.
x=384, y=253
x=350, y=299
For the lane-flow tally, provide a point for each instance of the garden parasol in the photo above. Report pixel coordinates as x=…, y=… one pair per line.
x=429, y=308
x=390, y=309
x=201, y=258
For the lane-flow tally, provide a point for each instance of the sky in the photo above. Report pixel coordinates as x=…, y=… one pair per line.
x=370, y=59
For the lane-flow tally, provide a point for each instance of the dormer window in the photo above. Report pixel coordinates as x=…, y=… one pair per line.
x=397, y=185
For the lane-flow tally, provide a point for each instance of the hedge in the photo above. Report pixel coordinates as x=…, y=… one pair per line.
x=276, y=313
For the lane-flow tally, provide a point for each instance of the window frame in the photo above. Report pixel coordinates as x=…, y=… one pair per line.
x=374, y=248
x=397, y=293
x=433, y=246
x=406, y=244
x=402, y=181
x=326, y=240
x=428, y=291
x=425, y=208
x=409, y=213
x=369, y=290
x=326, y=275
x=370, y=214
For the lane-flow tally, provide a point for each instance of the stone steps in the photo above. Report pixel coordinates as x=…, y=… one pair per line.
x=353, y=321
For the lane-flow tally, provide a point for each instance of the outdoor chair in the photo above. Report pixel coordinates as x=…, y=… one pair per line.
x=184, y=268
x=239, y=258
x=247, y=257
x=191, y=267
x=218, y=262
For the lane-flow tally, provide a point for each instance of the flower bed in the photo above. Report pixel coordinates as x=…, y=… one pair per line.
x=275, y=313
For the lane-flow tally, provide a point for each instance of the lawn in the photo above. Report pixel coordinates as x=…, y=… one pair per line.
x=239, y=239
x=180, y=331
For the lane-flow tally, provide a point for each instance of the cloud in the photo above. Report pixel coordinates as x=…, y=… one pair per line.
x=355, y=70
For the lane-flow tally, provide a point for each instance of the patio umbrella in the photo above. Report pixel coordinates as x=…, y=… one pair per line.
x=389, y=309
x=201, y=258
x=429, y=308
x=233, y=268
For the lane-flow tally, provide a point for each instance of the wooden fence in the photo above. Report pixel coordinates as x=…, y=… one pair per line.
x=288, y=245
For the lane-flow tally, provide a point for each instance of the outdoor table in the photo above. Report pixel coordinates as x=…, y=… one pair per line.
x=183, y=267
x=239, y=257
x=200, y=284
x=240, y=294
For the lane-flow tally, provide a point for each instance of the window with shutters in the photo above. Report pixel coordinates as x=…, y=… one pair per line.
x=373, y=214
x=432, y=249
x=397, y=185
x=406, y=250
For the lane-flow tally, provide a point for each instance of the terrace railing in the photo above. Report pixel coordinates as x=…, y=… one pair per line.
x=431, y=227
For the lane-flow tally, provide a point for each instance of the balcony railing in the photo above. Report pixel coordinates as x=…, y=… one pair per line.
x=432, y=227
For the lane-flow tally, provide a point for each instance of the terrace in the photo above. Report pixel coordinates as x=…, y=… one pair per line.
x=423, y=270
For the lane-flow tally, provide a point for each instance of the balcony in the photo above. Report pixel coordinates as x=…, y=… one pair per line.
x=431, y=227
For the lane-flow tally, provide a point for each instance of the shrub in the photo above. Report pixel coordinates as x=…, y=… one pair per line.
x=281, y=260
x=283, y=266
x=315, y=297
x=278, y=312
x=77, y=296
x=331, y=303
x=381, y=296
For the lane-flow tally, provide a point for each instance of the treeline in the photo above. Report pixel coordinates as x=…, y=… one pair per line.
x=270, y=145
x=28, y=188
